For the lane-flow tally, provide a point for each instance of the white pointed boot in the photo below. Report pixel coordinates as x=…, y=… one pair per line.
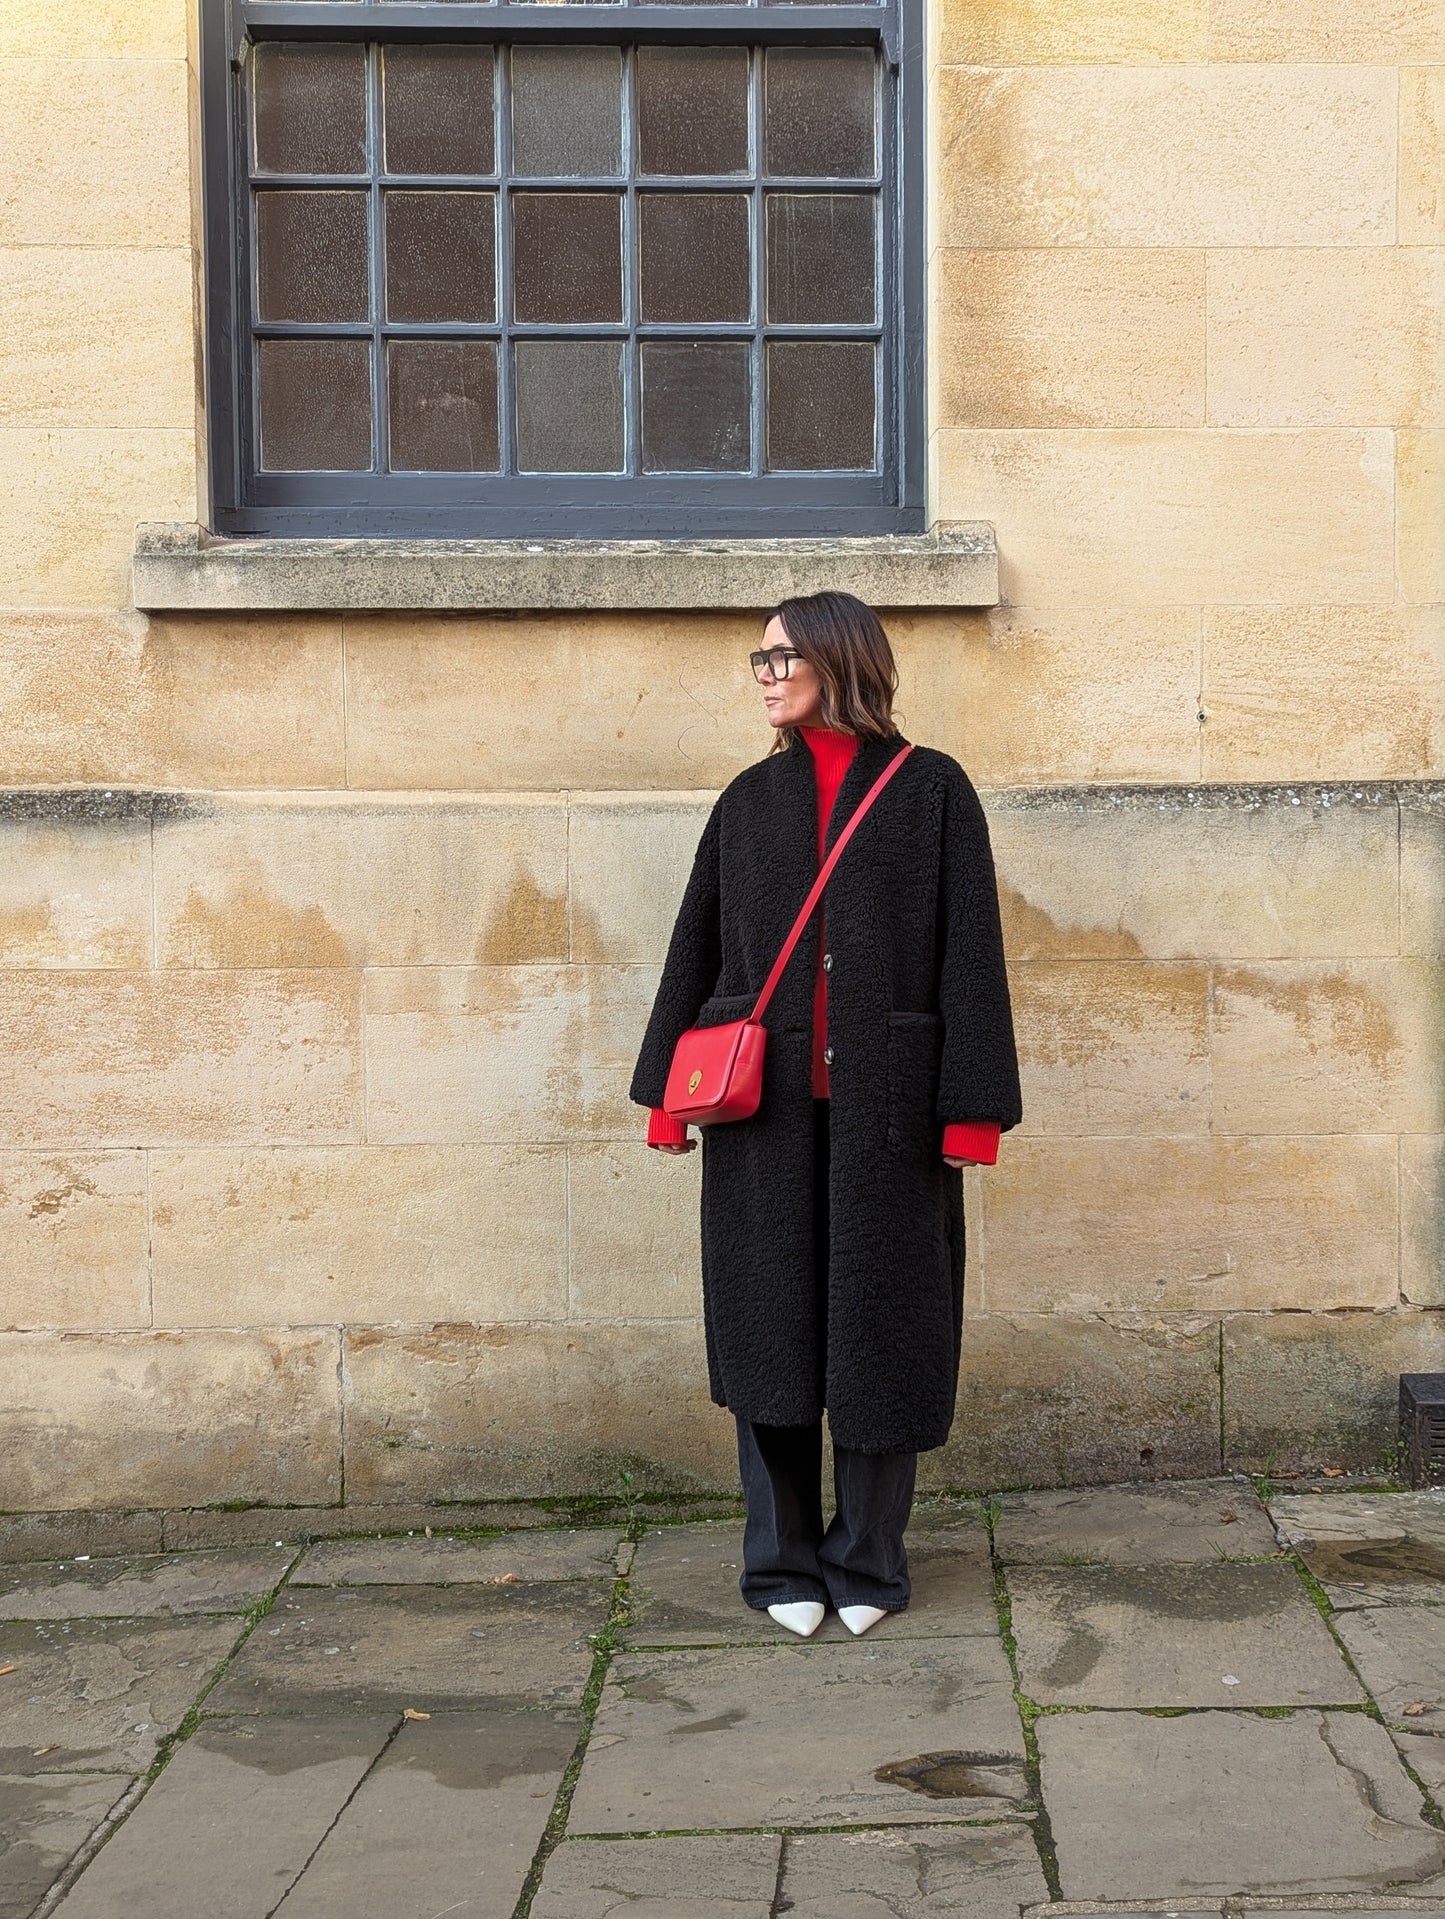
x=859, y=1618
x=802, y=1616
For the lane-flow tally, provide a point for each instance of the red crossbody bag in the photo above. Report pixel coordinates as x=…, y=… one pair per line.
x=717, y=1071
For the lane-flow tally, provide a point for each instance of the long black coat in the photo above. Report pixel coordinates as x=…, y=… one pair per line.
x=922, y=1034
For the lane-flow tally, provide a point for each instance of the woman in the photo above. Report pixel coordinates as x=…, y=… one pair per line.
x=832, y=1220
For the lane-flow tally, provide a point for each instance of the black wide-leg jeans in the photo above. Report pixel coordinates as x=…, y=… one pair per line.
x=858, y=1558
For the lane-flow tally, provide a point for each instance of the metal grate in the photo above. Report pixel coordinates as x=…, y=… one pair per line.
x=1422, y=1427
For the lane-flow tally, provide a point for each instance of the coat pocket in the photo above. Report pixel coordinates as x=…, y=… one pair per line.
x=727, y=1006
x=915, y=1053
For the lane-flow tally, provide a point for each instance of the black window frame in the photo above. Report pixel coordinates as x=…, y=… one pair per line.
x=246, y=500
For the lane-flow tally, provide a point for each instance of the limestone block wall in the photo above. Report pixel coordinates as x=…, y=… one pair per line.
x=325, y=943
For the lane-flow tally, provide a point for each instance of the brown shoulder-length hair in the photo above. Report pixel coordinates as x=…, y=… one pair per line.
x=844, y=641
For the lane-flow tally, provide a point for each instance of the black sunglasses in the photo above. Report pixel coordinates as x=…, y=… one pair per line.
x=777, y=659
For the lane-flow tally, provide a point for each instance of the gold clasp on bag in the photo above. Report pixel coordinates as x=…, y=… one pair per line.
x=694, y=1080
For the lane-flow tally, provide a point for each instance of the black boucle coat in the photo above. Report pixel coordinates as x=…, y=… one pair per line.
x=922, y=1034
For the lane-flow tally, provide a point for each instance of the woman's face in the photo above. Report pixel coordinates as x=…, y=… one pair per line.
x=797, y=700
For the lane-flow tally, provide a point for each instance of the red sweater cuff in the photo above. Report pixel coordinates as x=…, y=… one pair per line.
x=664, y=1130
x=972, y=1139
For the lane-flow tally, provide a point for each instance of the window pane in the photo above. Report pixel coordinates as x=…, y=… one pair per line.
x=569, y=406
x=820, y=258
x=818, y=113
x=820, y=404
x=692, y=109
x=315, y=405
x=695, y=406
x=443, y=406
x=567, y=256
x=438, y=109
x=693, y=250
x=566, y=112
x=310, y=107
x=440, y=256
x=311, y=256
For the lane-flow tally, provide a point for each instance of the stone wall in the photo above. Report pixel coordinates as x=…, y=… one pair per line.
x=325, y=943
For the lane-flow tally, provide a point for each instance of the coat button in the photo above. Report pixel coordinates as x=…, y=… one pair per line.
x=827, y=962
x=827, y=1056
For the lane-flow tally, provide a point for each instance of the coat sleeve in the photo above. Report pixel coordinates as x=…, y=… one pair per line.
x=979, y=1078
x=689, y=973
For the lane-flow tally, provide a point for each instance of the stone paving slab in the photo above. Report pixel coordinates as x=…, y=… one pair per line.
x=385, y=1648
x=729, y=1876
x=44, y=1821
x=1138, y=1525
x=796, y=1736
x=1219, y=1802
x=986, y=1873
x=685, y=1590
x=1368, y=1549
x=452, y=1562
x=101, y=1694
x=1426, y=1753
x=1180, y=1635
x=143, y=1588
x=447, y=1822
x=229, y=1824
x=1400, y=1651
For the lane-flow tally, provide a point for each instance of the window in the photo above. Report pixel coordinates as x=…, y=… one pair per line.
x=610, y=268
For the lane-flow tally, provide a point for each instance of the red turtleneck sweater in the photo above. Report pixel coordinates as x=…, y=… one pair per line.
x=963, y=1139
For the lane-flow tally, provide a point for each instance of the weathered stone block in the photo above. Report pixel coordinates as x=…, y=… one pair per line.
x=1202, y=1636
x=69, y=497
x=141, y=1058
x=1155, y=518
x=449, y=1819
x=1326, y=30
x=742, y=1763
x=472, y=702
x=149, y=1588
x=1108, y=32
x=349, y=880
x=1422, y=874
x=73, y=1240
x=1190, y=1225
x=74, y=893
x=161, y=1419
x=1099, y=694
x=1422, y=1219
x=96, y=154
x=1140, y=1525
x=1327, y=336
x=634, y=1231
x=359, y=1234
x=983, y=1873
x=1116, y=1046
x=503, y=1053
x=93, y=338
x=95, y=28
x=1037, y=337
x=1400, y=1652
x=1422, y=156
x=1047, y=1399
x=1228, y=1803
x=1304, y=1390
x=1420, y=482
x=461, y=1412
x=1276, y=681
x=628, y=860
x=1306, y=1046
x=234, y=1818
x=1367, y=1549
x=1179, y=875
x=434, y=1648
x=1169, y=155
x=96, y=697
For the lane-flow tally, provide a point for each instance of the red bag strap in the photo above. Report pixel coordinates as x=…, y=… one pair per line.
x=816, y=891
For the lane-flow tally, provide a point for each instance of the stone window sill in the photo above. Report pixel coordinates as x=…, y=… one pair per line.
x=181, y=568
